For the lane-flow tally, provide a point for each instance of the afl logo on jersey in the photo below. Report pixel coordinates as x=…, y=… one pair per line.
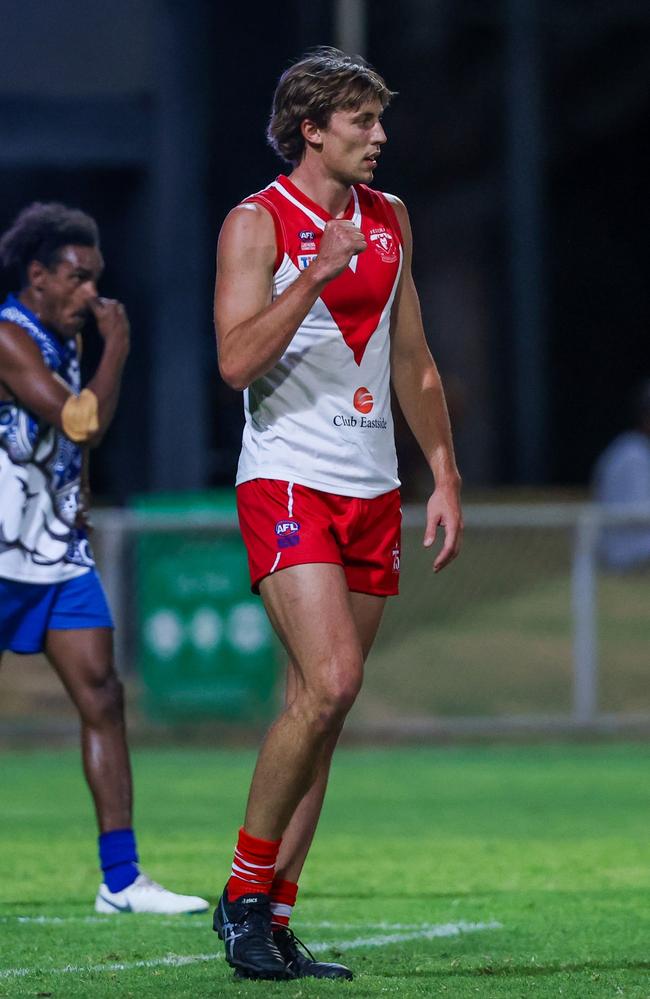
x=384, y=243
x=307, y=241
x=363, y=400
x=288, y=533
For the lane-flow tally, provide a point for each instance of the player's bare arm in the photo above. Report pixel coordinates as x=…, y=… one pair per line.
x=420, y=394
x=114, y=329
x=25, y=376
x=253, y=332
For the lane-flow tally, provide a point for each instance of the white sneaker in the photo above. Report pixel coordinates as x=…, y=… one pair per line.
x=145, y=895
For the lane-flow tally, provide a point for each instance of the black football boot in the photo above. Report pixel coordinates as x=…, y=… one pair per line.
x=245, y=927
x=304, y=965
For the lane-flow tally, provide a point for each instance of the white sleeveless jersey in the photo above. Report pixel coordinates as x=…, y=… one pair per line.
x=321, y=416
x=40, y=470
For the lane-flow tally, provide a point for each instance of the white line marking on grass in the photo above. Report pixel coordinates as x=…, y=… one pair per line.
x=192, y=923
x=52, y=920
x=328, y=924
x=430, y=933
x=427, y=932
x=173, y=960
x=184, y=922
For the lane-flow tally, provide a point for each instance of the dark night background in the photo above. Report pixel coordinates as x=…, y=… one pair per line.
x=518, y=141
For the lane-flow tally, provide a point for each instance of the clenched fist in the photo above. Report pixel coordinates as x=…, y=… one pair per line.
x=112, y=320
x=340, y=242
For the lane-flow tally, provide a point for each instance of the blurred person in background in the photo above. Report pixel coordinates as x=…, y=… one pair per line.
x=622, y=477
x=51, y=598
x=316, y=314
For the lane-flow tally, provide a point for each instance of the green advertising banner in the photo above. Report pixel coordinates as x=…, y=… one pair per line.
x=206, y=647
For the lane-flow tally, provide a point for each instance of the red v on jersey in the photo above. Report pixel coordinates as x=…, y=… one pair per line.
x=357, y=315
x=356, y=298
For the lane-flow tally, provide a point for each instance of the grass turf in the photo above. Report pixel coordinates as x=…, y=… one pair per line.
x=551, y=843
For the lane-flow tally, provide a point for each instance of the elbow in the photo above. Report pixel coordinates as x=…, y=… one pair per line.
x=85, y=438
x=80, y=417
x=233, y=375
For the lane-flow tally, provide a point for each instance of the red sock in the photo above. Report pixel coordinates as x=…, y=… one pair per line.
x=253, y=866
x=283, y=899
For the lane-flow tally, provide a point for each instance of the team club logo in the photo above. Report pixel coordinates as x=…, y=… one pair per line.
x=384, y=243
x=363, y=400
x=288, y=533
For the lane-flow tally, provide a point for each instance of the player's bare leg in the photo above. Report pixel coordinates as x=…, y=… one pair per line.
x=311, y=610
x=367, y=611
x=83, y=658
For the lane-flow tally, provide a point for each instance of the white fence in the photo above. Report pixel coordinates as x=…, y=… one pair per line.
x=526, y=630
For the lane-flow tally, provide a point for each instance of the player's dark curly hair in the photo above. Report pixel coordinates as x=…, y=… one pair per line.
x=321, y=82
x=40, y=231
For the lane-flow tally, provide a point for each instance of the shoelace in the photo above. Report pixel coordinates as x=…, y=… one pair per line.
x=296, y=942
x=143, y=881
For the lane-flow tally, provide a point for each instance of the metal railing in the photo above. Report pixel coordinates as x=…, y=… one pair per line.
x=558, y=543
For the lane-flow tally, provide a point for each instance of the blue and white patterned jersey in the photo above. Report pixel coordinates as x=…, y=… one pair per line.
x=40, y=474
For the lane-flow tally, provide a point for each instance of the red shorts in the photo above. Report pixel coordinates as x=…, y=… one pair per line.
x=283, y=524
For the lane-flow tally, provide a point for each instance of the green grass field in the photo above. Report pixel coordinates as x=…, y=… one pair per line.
x=492, y=872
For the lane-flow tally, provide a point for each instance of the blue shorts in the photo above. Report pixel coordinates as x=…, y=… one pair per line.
x=29, y=610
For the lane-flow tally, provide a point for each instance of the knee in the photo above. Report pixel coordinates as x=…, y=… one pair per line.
x=102, y=701
x=332, y=710
x=335, y=698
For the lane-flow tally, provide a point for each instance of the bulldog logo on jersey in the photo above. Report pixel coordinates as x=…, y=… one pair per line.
x=384, y=243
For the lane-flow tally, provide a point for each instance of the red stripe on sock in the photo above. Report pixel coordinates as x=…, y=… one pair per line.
x=283, y=896
x=253, y=866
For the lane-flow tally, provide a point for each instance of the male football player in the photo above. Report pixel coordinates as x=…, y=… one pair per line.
x=51, y=598
x=316, y=314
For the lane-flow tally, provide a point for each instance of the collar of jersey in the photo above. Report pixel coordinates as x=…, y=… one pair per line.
x=14, y=302
x=55, y=343
x=313, y=207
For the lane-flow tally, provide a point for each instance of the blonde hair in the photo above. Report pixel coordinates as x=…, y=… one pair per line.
x=323, y=81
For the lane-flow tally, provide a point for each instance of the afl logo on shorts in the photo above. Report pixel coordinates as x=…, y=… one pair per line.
x=363, y=400
x=288, y=533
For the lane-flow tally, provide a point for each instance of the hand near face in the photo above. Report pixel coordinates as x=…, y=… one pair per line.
x=111, y=318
